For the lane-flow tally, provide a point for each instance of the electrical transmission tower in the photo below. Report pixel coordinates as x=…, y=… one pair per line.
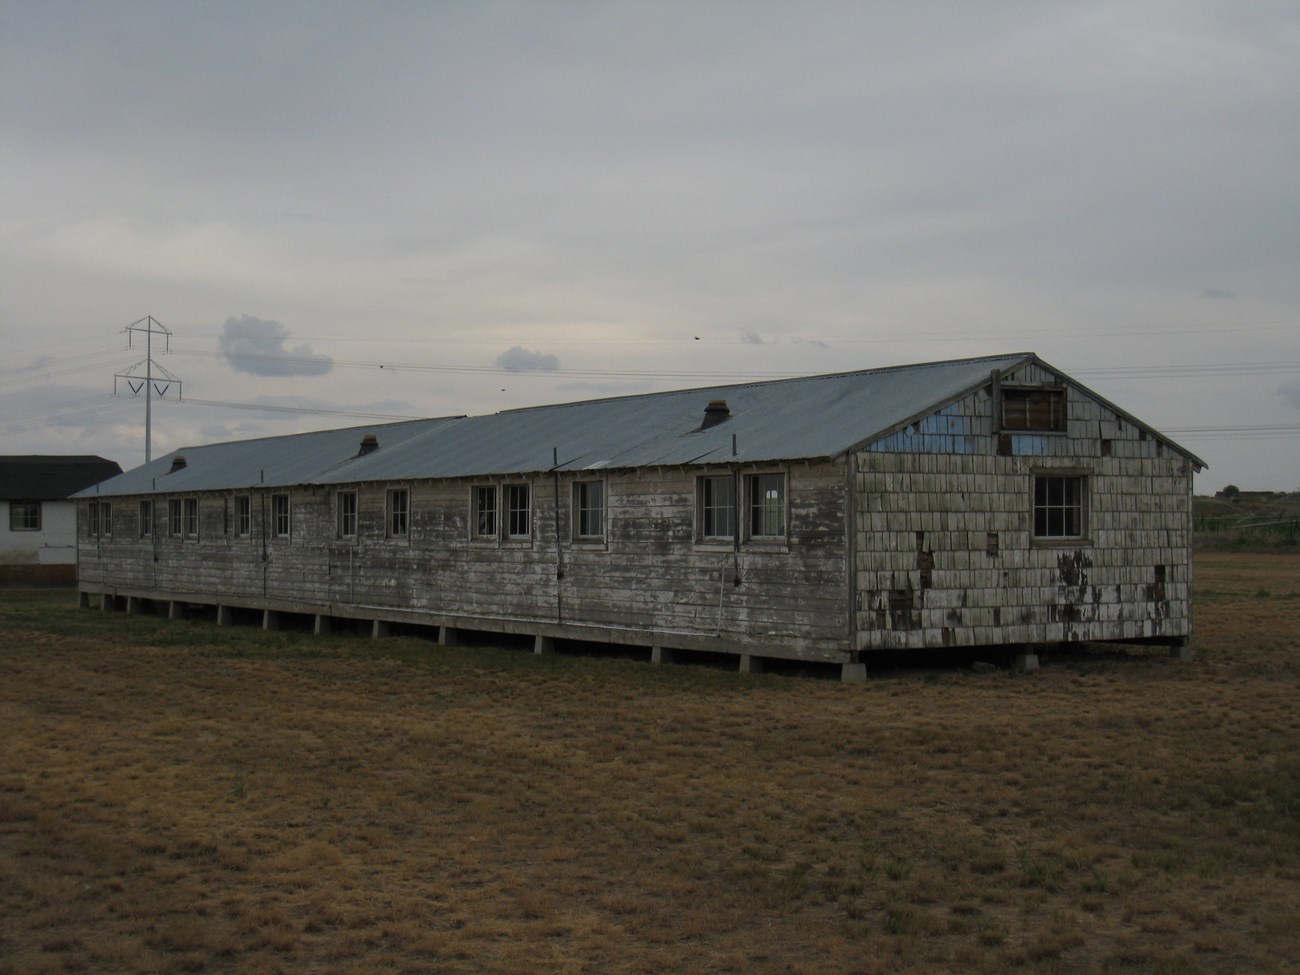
x=152, y=384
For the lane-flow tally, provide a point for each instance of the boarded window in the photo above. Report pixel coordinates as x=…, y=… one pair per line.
x=399, y=513
x=766, y=494
x=347, y=514
x=484, y=500
x=717, y=507
x=518, y=511
x=1041, y=410
x=589, y=509
x=146, y=519
x=1059, y=506
x=25, y=516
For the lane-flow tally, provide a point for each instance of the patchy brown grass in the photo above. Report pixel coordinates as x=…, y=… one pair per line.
x=178, y=798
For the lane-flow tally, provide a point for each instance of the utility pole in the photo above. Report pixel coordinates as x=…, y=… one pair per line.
x=150, y=326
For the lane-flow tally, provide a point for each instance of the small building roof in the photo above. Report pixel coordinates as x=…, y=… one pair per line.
x=51, y=477
x=808, y=418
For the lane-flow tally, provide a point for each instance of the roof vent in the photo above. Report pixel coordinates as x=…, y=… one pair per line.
x=369, y=444
x=715, y=413
x=178, y=463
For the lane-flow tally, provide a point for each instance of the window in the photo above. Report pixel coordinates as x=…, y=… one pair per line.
x=106, y=517
x=518, y=511
x=192, y=517
x=399, y=513
x=766, y=505
x=92, y=518
x=1033, y=409
x=146, y=519
x=25, y=516
x=243, y=515
x=280, y=522
x=484, y=499
x=174, y=516
x=347, y=514
x=589, y=509
x=1059, y=506
x=717, y=507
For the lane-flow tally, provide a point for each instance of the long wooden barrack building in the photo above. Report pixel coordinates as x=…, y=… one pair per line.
x=975, y=502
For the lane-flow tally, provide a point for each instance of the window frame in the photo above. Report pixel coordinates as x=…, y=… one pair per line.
x=191, y=523
x=707, y=509
x=1056, y=408
x=392, y=528
x=757, y=509
x=1042, y=508
x=146, y=517
x=175, y=523
x=346, y=510
x=29, y=508
x=512, y=512
x=281, y=520
x=243, y=515
x=484, y=512
x=582, y=509
x=106, y=519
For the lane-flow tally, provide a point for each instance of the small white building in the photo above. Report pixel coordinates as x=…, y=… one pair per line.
x=38, y=524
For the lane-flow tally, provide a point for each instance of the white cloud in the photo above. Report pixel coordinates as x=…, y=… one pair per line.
x=255, y=346
x=519, y=359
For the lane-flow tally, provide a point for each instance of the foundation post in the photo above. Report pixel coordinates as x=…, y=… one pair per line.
x=1027, y=663
x=270, y=619
x=543, y=646
x=1181, y=651
x=83, y=600
x=175, y=610
x=132, y=605
x=853, y=674
x=224, y=616
x=321, y=626
x=379, y=629
x=448, y=637
x=749, y=664
x=105, y=602
x=661, y=655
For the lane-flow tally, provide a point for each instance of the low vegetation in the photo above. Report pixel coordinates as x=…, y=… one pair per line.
x=1237, y=521
x=176, y=797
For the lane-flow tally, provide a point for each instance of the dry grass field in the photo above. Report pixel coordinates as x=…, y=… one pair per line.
x=176, y=797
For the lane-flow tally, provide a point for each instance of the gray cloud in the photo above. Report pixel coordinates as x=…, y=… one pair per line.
x=1218, y=294
x=751, y=338
x=519, y=359
x=256, y=346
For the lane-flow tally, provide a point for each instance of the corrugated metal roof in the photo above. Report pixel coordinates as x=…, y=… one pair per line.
x=51, y=477
x=789, y=419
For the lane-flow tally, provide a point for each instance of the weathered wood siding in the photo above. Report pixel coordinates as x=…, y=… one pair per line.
x=944, y=547
x=648, y=576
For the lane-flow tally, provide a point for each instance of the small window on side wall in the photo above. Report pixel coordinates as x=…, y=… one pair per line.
x=174, y=517
x=146, y=519
x=766, y=494
x=106, y=517
x=281, y=521
x=243, y=515
x=192, y=517
x=347, y=504
x=519, y=512
x=717, y=507
x=1060, y=509
x=483, y=501
x=399, y=513
x=589, y=509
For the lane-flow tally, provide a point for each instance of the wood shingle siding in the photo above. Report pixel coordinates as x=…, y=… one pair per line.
x=885, y=525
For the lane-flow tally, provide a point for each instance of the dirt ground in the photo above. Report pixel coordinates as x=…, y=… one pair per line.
x=176, y=797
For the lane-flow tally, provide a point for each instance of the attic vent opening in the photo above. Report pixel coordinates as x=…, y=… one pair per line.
x=178, y=463
x=369, y=444
x=715, y=413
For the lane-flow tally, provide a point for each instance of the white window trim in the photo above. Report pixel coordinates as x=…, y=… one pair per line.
x=747, y=526
x=1084, y=538
x=389, y=493
x=505, y=513
x=475, y=535
x=576, y=511
x=339, y=526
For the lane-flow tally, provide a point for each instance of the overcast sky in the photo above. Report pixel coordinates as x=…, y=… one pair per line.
x=432, y=208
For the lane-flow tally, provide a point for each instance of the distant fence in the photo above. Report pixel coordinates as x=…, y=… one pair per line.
x=1285, y=529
